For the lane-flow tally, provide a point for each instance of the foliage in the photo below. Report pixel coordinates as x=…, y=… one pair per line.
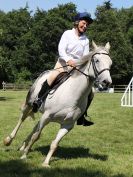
x=29, y=43
x=107, y=26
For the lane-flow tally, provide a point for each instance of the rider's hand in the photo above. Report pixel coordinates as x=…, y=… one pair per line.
x=71, y=63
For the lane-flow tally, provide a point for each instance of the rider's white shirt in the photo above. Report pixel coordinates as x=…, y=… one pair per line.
x=73, y=47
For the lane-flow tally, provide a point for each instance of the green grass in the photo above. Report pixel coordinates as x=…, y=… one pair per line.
x=102, y=150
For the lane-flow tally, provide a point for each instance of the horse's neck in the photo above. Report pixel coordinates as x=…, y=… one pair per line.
x=86, y=77
x=81, y=80
x=86, y=69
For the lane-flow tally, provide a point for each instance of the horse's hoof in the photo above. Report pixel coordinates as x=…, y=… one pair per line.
x=45, y=165
x=23, y=157
x=22, y=148
x=7, y=141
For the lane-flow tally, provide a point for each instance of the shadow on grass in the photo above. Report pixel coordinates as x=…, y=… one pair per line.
x=5, y=98
x=72, y=152
x=18, y=168
x=2, y=98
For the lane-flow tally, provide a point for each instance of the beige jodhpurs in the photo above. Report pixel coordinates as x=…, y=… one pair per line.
x=59, y=68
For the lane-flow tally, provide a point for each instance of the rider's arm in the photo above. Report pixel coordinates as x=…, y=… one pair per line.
x=62, y=47
x=86, y=48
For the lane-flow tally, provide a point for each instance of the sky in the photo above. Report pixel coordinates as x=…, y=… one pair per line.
x=82, y=5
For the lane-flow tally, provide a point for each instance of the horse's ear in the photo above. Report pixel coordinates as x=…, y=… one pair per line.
x=107, y=46
x=94, y=45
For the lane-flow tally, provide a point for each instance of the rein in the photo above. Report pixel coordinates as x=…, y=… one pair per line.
x=97, y=73
x=81, y=72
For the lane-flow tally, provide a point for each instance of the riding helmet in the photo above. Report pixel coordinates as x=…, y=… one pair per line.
x=83, y=16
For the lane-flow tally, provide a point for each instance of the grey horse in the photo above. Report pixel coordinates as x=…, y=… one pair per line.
x=68, y=102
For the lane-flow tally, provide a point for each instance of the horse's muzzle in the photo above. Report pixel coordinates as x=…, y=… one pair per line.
x=103, y=86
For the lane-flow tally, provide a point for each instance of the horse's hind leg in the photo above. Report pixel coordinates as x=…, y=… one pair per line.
x=34, y=136
x=26, y=141
x=61, y=133
x=26, y=110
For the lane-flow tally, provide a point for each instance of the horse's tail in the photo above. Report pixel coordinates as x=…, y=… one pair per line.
x=29, y=95
x=27, y=110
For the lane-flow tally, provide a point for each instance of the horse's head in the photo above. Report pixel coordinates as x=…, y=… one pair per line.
x=101, y=63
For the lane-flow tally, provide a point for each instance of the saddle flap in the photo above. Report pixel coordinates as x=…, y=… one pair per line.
x=62, y=77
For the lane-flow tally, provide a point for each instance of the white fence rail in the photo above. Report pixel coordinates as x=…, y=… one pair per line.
x=127, y=98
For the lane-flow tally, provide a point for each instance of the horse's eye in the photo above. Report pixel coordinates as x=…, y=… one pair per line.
x=97, y=61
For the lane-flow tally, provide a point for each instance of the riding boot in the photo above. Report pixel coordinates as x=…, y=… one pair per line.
x=41, y=96
x=82, y=120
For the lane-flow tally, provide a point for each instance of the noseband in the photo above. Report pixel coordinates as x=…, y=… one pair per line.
x=97, y=73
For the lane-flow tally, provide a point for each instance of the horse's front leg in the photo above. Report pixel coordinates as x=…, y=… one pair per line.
x=61, y=133
x=34, y=136
x=25, y=113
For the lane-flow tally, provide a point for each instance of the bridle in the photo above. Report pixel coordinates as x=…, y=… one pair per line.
x=96, y=72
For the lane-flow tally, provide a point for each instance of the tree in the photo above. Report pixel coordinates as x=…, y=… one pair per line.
x=108, y=5
x=3, y=60
x=45, y=35
x=108, y=28
x=15, y=24
x=29, y=44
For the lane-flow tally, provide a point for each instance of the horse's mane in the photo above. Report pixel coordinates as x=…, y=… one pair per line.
x=84, y=59
x=87, y=58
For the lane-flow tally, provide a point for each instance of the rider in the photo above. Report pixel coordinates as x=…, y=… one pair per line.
x=72, y=46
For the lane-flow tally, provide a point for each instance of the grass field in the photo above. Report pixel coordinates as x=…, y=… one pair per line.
x=102, y=150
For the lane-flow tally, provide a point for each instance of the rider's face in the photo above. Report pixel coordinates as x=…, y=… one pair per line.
x=82, y=26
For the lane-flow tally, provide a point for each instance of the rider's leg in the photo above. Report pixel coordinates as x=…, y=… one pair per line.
x=46, y=85
x=82, y=120
x=59, y=68
x=37, y=103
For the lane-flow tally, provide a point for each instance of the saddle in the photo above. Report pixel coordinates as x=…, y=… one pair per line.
x=60, y=79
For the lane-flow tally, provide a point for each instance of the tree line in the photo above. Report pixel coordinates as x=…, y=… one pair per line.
x=29, y=43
